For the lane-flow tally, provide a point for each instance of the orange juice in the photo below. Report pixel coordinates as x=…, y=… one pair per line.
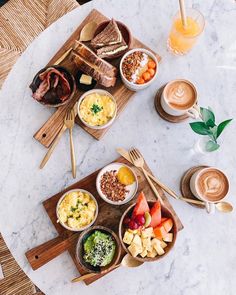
x=182, y=39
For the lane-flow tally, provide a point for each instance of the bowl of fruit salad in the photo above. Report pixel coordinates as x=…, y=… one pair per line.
x=98, y=249
x=147, y=230
x=138, y=68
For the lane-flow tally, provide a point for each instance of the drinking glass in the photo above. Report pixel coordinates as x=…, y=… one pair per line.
x=181, y=39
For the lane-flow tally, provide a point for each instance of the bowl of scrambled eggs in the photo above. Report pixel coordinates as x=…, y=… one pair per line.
x=77, y=210
x=97, y=109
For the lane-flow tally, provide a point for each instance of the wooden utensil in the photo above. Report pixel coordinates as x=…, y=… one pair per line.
x=127, y=261
x=125, y=155
x=224, y=207
x=69, y=122
x=138, y=161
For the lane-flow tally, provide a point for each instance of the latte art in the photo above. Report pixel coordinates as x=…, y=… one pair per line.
x=180, y=95
x=212, y=185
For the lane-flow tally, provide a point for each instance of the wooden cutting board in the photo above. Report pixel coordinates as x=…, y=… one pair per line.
x=108, y=216
x=47, y=133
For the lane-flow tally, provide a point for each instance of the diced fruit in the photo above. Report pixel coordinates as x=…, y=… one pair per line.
x=127, y=221
x=133, y=231
x=148, y=219
x=168, y=224
x=140, y=81
x=146, y=76
x=152, y=253
x=163, y=219
x=160, y=232
x=139, y=219
x=159, y=249
x=133, y=225
x=125, y=176
x=155, y=214
x=151, y=64
x=163, y=245
x=168, y=238
x=144, y=253
x=134, y=249
x=137, y=240
x=147, y=243
x=128, y=237
x=147, y=233
x=141, y=206
x=151, y=72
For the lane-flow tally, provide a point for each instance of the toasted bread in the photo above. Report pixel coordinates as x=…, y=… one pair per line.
x=111, y=50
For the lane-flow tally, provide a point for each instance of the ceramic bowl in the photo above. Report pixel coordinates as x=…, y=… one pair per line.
x=70, y=78
x=165, y=213
x=80, y=250
x=102, y=92
x=82, y=228
x=132, y=188
x=133, y=86
x=125, y=32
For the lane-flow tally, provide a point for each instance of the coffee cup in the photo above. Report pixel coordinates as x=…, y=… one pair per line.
x=209, y=185
x=179, y=97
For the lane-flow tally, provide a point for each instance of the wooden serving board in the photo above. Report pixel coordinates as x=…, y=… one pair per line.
x=108, y=216
x=47, y=133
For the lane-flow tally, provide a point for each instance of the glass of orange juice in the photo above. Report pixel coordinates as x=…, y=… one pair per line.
x=182, y=39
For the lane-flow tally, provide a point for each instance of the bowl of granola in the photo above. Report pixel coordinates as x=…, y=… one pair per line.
x=138, y=68
x=117, y=183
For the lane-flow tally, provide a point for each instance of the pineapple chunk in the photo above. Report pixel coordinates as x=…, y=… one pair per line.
x=168, y=238
x=137, y=240
x=163, y=245
x=147, y=233
x=144, y=253
x=155, y=242
x=147, y=243
x=128, y=237
x=152, y=253
x=159, y=249
x=134, y=249
x=133, y=231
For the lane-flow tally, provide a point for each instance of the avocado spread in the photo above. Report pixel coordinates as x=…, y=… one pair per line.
x=99, y=249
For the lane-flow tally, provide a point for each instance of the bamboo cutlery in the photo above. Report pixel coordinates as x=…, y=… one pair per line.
x=69, y=122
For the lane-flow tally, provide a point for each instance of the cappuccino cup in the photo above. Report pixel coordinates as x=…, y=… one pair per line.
x=179, y=97
x=209, y=185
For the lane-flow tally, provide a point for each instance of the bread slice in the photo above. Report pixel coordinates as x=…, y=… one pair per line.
x=94, y=71
x=109, y=51
x=91, y=57
x=111, y=35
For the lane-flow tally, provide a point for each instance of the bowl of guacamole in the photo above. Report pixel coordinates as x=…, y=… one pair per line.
x=98, y=249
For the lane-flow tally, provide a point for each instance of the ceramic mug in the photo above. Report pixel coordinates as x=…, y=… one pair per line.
x=192, y=109
x=194, y=186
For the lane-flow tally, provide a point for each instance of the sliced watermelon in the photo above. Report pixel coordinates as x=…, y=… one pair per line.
x=141, y=205
x=155, y=214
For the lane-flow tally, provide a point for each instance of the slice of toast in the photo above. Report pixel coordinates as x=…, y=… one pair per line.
x=111, y=50
x=111, y=35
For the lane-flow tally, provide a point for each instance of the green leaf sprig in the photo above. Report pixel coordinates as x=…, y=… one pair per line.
x=208, y=127
x=96, y=108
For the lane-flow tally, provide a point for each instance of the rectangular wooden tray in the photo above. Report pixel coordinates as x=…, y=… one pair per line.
x=108, y=215
x=47, y=133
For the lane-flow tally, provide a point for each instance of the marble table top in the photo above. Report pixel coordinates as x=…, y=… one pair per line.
x=204, y=258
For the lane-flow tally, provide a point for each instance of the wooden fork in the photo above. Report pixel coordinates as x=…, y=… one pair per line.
x=138, y=162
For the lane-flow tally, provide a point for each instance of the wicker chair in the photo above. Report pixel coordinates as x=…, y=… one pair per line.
x=21, y=21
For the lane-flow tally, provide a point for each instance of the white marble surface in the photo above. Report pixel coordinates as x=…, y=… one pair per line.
x=204, y=259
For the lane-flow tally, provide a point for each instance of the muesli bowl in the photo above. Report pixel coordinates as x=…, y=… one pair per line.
x=81, y=254
x=138, y=68
x=77, y=210
x=117, y=183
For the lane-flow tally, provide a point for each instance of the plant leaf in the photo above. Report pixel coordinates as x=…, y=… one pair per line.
x=199, y=128
x=208, y=117
x=212, y=146
x=214, y=132
x=222, y=126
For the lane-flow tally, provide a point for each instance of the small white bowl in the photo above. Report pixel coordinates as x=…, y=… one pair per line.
x=133, y=86
x=82, y=228
x=132, y=188
x=100, y=91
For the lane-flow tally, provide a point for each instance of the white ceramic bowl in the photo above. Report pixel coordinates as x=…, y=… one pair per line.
x=100, y=91
x=133, y=86
x=132, y=188
x=82, y=228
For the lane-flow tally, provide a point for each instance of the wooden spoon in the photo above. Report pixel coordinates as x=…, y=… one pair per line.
x=127, y=261
x=224, y=207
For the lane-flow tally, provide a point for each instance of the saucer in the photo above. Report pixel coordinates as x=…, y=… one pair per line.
x=162, y=113
x=185, y=185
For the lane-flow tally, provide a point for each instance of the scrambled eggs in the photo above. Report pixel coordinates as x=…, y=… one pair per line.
x=97, y=109
x=77, y=210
